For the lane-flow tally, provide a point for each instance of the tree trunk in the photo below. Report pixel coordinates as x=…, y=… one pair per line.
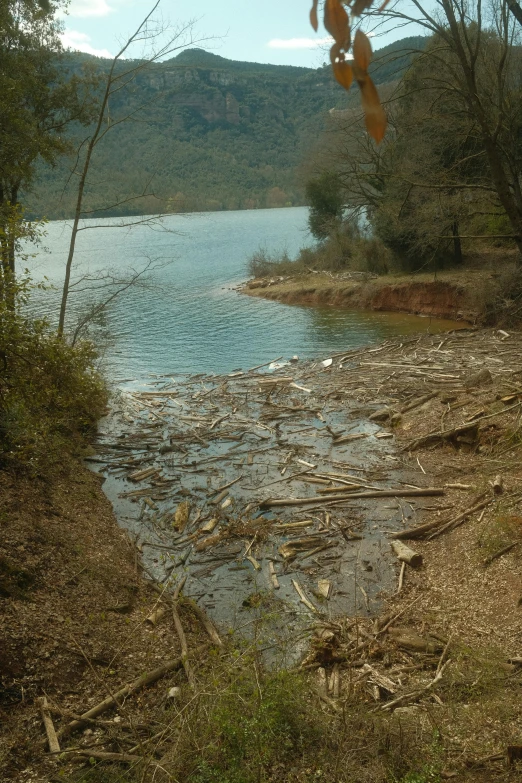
x=457, y=245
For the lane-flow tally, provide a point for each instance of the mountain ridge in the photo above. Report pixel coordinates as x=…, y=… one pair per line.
x=211, y=134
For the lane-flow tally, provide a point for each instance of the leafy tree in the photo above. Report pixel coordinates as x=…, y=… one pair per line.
x=324, y=195
x=39, y=101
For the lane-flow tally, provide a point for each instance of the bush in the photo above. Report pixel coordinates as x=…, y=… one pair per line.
x=343, y=250
x=50, y=392
x=503, y=301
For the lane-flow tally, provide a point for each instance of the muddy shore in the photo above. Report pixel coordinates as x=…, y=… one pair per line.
x=447, y=411
x=454, y=295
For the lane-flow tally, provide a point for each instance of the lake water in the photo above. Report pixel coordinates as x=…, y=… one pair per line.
x=189, y=319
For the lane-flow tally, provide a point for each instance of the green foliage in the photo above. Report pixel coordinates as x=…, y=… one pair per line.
x=50, y=392
x=40, y=100
x=214, y=134
x=325, y=198
x=259, y=724
x=343, y=250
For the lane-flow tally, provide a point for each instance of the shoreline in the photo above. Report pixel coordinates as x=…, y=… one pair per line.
x=454, y=296
x=450, y=405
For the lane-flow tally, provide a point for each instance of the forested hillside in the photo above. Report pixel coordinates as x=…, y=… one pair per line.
x=207, y=133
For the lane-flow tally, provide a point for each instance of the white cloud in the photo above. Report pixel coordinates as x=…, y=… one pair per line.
x=298, y=43
x=86, y=8
x=79, y=42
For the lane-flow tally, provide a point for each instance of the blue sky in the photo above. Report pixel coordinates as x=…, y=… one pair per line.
x=271, y=31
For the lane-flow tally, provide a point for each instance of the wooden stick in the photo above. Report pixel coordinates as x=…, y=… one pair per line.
x=499, y=553
x=401, y=577
x=205, y=620
x=303, y=597
x=181, y=634
x=141, y=682
x=420, y=530
x=385, y=493
x=52, y=738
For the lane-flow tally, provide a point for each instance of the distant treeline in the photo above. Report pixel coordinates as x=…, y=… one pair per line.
x=215, y=134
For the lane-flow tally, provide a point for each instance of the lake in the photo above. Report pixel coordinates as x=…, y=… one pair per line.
x=189, y=318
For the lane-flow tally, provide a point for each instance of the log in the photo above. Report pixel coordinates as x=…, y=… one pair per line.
x=438, y=525
x=385, y=493
x=205, y=620
x=52, y=738
x=115, y=699
x=407, y=555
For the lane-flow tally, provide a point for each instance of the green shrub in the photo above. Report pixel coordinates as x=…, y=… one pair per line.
x=50, y=392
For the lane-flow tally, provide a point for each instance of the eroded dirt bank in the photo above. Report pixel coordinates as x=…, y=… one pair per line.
x=454, y=296
x=432, y=686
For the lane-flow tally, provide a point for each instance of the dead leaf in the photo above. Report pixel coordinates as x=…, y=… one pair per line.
x=362, y=50
x=343, y=73
x=374, y=115
x=313, y=16
x=336, y=22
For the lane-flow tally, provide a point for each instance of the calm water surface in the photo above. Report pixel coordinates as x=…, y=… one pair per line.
x=189, y=319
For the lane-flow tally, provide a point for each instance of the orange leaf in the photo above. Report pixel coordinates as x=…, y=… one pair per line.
x=336, y=21
x=313, y=16
x=343, y=73
x=373, y=112
x=361, y=5
x=362, y=50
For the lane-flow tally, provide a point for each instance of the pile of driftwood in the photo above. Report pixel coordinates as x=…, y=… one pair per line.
x=283, y=477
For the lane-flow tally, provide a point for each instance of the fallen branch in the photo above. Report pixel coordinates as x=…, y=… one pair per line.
x=181, y=634
x=52, y=738
x=499, y=553
x=439, y=524
x=384, y=493
x=413, y=695
x=115, y=700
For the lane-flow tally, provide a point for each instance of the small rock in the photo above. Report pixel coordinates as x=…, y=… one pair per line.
x=174, y=693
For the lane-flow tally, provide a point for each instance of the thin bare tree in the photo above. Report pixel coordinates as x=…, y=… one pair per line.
x=156, y=40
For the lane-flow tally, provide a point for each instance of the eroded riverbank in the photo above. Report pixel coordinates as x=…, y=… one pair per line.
x=455, y=296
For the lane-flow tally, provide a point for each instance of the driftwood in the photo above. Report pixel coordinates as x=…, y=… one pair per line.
x=410, y=640
x=414, y=695
x=499, y=553
x=52, y=738
x=205, y=620
x=465, y=433
x=439, y=525
x=273, y=576
x=303, y=597
x=407, y=555
x=384, y=493
x=181, y=633
x=401, y=577
x=115, y=699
